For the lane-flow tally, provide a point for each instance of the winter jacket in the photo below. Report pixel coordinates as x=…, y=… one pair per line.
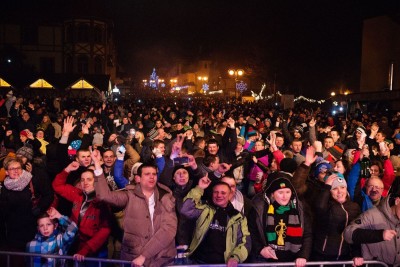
x=367, y=230
x=257, y=221
x=333, y=217
x=154, y=240
x=238, y=243
x=58, y=243
x=94, y=226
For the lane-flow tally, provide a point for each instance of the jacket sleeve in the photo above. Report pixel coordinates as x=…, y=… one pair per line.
x=166, y=233
x=192, y=207
x=388, y=176
x=116, y=198
x=94, y=244
x=133, y=157
x=65, y=190
x=361, y=229
x=306, y=248
x=69, y=231
x=312, y=135
x=256, y=241
x=119, y=178
x=322, y=205
x=352, y=179
x=243, y=248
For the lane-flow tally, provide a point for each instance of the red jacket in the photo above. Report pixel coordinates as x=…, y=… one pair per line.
x=93, y=228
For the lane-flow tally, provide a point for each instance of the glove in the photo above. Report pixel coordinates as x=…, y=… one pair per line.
x=157, y=152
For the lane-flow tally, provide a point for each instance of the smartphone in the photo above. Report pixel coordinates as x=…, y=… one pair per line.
x=122, y=149
x=181, y=160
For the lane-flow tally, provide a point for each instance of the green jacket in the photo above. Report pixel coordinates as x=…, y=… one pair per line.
x=238, y=243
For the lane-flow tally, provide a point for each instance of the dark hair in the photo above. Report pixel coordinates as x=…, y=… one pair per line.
x=209, y=159
x=212, y=141
x=46, y=215
x=146, y=165
x=222, y=183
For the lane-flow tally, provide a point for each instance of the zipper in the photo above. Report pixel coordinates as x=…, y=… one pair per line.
x=342, y=238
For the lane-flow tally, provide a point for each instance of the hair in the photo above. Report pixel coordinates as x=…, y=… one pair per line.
x=46, y=215
x=212, y=141
x=379, y=164
x=209, y=159
x=12, y=160
x=107, y=151
x=82, y=150
x=141, y=137
x=198, y=140
x=222, y=183
x=156, y=143
x=146, y=165
x=88, y=170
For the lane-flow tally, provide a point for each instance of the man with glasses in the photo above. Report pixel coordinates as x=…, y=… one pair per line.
x=371, y=195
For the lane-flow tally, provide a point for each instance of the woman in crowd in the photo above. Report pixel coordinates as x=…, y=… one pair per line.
x=334, y=211
x=279, y=226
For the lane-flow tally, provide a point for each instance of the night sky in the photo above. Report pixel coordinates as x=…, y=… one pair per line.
x=310, y=46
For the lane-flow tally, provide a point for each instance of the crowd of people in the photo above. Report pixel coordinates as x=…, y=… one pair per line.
x=202, y=181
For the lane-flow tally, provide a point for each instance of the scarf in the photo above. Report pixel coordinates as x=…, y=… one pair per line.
x=43, y=143
x=283, y=227
x=18, y=184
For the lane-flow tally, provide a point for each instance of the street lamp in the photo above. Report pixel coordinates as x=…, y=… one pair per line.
x=236, y=74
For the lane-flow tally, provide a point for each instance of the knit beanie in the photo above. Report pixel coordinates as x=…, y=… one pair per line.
x=97, y=139
x=26, y=152
x=336, y=152
x=339, y=181
x=23, y=133
x=362, y=130
x=323, y=165
x=278, y=181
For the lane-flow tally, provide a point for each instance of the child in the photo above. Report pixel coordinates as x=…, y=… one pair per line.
x=50, y=238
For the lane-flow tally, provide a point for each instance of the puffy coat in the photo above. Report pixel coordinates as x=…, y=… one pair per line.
x=333, y=217
x=367, y=230
x=154, y=240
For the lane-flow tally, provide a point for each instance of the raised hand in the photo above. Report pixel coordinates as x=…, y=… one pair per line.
x=73, y=166
x=204, y=182
x=53, y=213
x=68, y=125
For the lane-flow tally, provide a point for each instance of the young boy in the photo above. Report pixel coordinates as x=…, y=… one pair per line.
x=50, y=238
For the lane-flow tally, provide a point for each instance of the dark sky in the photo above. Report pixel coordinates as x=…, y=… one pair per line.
x=312, y=46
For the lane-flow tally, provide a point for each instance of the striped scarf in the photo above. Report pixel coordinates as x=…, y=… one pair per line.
x=283, y=227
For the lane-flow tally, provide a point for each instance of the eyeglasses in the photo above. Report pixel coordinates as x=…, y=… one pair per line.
x=14, y=169
x=375, y=187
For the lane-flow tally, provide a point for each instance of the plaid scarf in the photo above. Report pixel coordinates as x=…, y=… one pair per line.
x=283, y=227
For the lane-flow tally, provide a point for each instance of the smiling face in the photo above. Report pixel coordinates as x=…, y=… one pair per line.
x=221, y=194
x=282, y=196
x=374, y=188
x=339, y=194
x=14, y=170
